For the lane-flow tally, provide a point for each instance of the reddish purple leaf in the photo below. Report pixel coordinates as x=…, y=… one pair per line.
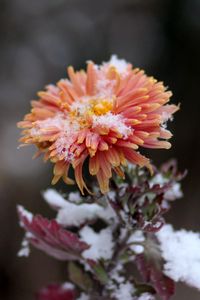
x=50, y=237
x=56, y=292
x=163, y=285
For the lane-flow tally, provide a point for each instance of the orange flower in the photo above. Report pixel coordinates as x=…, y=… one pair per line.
x=103, y=114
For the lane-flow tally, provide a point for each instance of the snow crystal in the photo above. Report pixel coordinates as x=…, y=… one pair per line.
x=70, y=214
x=174, y=192
x=120, y=64
x=101, y=243
x=81, y=108
x=105, y=87
x=111, y=121
x=181, y=251
x=124, y=291
x=136, y=237
x=58, y=124
x=83, y=296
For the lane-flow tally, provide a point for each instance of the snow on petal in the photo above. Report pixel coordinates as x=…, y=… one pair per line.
x=112, y=121
x=120, y=64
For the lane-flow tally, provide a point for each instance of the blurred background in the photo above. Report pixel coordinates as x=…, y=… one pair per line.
x=38, y=40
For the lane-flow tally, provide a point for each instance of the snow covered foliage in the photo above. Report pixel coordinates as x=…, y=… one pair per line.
x=101, y=236
x=181, y=252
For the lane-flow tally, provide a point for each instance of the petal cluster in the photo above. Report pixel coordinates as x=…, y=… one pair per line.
x=102, y=115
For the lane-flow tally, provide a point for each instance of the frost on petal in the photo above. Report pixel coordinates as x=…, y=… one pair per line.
x=112, y=107
x=57, y=292
x=51, y=238
x=120, y=64
x=101, y=243
x=181, y=251
x=111, y=121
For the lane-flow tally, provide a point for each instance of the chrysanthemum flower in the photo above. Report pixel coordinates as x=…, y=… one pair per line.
x=104, y=115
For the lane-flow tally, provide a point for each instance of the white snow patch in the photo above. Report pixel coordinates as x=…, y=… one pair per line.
x=74, y=197
x=145, y=296
x=101, y=243
x=70, y=214
x=124, y=291
x=158, y=179
x=181, y=251
x=105, y=87
x=136, y=238
x=120, y=64
x=25, y=213
x=115, y=122
x=68, y=286
x=174, y=192
x=25, y=247
x=83, y=296
x=54, y=199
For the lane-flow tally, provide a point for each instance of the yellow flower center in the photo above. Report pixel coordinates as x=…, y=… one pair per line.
x=101, y=107
x=82, y=111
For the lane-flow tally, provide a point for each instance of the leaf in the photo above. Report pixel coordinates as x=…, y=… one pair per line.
x=100, y=273
x=56, y=292
x=50, y=237
x=151, y=273
x=79, y=277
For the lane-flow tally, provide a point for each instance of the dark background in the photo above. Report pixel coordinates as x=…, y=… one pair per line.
x=38, y=40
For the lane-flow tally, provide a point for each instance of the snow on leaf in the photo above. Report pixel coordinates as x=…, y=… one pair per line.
x=181, y=252
x=57, y=292
x=101, y=244
x=124, y=291
x=51, y=238
x=73, y=214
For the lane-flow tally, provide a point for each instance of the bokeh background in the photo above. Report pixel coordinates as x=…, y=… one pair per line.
x=38, y=39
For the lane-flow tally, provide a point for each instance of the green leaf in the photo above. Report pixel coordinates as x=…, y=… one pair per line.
x=78, y=276
x=100, y=273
